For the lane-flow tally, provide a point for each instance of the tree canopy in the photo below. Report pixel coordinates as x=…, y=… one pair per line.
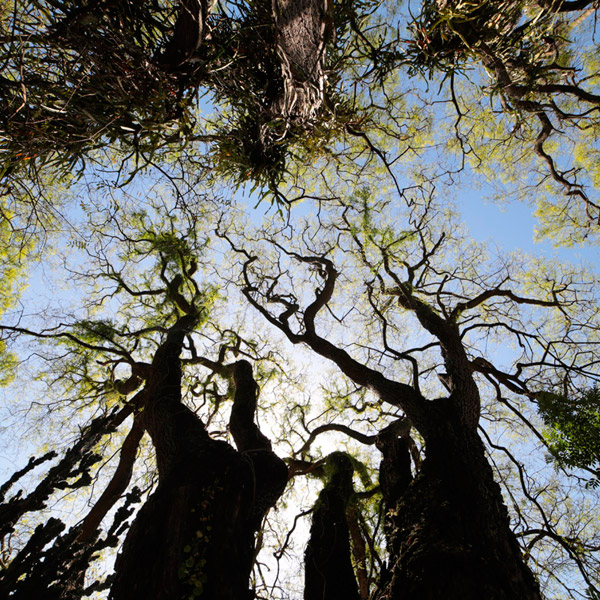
x=260, y=354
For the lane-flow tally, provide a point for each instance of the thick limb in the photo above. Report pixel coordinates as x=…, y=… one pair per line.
x=270, y=473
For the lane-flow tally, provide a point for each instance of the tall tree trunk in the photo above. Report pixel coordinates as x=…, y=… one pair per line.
x=195, y=534
x=302, y=33
x=449, y=534
x=328, y=573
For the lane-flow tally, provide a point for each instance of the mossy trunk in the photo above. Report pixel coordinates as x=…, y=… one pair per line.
x=193, y=536
x=328, y=571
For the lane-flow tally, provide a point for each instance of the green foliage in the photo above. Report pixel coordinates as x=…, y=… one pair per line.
x=386, y=148
x=19, y=242
x=573, y=428
x=521, y=79
x=16, y=248
x=78, y=78
x=102, y=330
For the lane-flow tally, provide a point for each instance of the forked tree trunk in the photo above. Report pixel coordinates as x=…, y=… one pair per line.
x=449, y=534
x=194, y=537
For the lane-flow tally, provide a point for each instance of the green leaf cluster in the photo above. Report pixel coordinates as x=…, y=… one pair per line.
x=573, y=428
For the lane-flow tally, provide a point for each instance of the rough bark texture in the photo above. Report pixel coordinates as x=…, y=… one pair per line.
x=52, y=564
x=450, y=532
x=195, y=534
x=301, y=27
x=277, y=76
x=328, y=568
x=395, y=476
x=395, y=473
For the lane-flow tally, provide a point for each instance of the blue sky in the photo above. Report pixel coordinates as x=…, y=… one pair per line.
x=511, y=226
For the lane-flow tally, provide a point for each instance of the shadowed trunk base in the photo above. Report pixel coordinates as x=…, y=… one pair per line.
x=450, y=534
x=192, y=537
x=328, y=572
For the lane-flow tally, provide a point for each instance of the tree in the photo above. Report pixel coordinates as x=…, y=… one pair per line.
x=451, y=520
x=80, y=77
x=328, y=571
x=210, y=499
x=186, y=309
x=150, y=354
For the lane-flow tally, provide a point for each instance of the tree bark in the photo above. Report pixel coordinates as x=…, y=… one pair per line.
x=188, y=32
x=302, y=33
x=76, y=463
x=449, y=532
x=195, y=534
x=328, y=572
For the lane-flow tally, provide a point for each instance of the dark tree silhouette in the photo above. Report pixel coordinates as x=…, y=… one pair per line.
x=210, y=499
x=448, y=529
x=328, y=571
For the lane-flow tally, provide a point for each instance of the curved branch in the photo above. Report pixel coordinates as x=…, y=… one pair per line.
x=68, y=336
x=496, y=293
x=549, y=531
x=356, y=435
x=463, y=389
x=245, y=432
x=393, y=392
x=117, y=485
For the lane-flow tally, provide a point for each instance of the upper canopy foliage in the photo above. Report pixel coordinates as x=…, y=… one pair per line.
x=295, y=81
x=83, y=76
x=541, y=74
